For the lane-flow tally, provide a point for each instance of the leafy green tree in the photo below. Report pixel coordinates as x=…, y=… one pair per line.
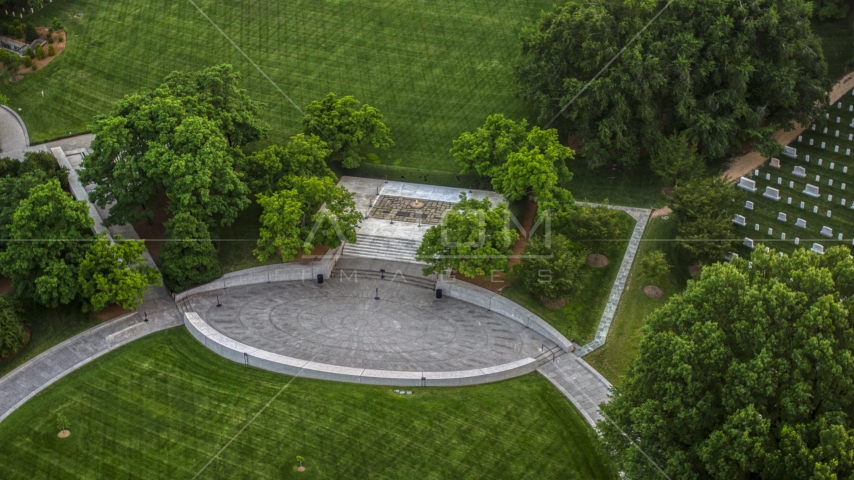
x=49, y=236
x=293, y=221
x=676, y=159
x=30, y=32
x=594, y=227
x=553, y=270
x=115, y=273
x=472, y=239
x=655, y=266
x=303, y=156
x=281, y=224
x=188, y=257
x=748, y=374
x=13, y=189
x=485, y=150
x=12, y=334
x=45, y=162
x=180, y=139
x=346, y=125
x=56, y=25
x=695, y=69
x=703, y=208
x=9, y=167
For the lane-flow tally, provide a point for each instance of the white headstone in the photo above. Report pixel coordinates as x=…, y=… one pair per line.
x=775, y=162
x=811, y=140
x=789, y=200
x=807, y=158
x=801, y=223
x=802, y=205
x=813, y=127
x=799, y=171
x=829, y=213
x=781, y=216
x=797, y=240
x=771, y=193
x=842, y=186
x=748, y=242
x=826, y=232
x=851, y=108
x=852, y=123
x=811, y=190
x=850, y=136
x=825, y=130
x=779, y=181
x=739, y=220
x=836, y=148
x=836, y=134
x=829, y=182
x=770, y=231
x=838, y=104
x=838, y=119
x=832, y=165
x=817, y=248
x=748, y=205
x=815, y=209
x=756, y=227
x=767, y=176
x=745, y=183
x=839, y=236
x=843, y=202
x=822, y=144
x=791, y=184
x=783, y=236
x=800, y=138
x=819, y=161
x=790, y=152
x=848, y=151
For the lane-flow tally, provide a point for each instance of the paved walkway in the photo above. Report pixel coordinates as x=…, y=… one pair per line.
x=641, y=216
x=340, y=323
x=13, y=134
x=580, y=383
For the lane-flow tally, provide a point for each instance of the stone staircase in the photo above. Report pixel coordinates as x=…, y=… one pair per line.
x=358, y=275
x=382, y=248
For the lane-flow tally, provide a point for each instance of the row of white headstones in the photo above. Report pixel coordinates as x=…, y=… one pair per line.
x=810, y=190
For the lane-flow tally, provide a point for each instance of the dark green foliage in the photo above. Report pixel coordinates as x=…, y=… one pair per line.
x=748, y=374
x=114, y=273
x=594, y=227
x=826, y=9
x=56, y=25
x=694, y=69
x=179, y=139
x=188, y=257
x=12, y=334
x=11, y=61
x=40, y=52
x=303, y=156
x=9, y=167
x=704, y=208
x=30, y=32
x=12, y=191
x=49, y=235
x=44, y=162
x=28, y=61
x=51, y=50
x=347, y=126
x=554, y=269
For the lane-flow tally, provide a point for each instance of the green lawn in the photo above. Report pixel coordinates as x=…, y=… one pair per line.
x=161, y=407
x=240, y=239
x=612, y=360
x=434, y=68
x=49, y=327
x=837, y=38
x=580, y=317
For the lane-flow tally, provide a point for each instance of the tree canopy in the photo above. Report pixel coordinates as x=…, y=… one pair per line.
x=748, y=374
x=115, y=273
x=346, y=125
x=594, y=227
x=181, y=140
x=188, y=258
x=703, y=208
x=472, y=239
x=302, y=156
x=293, y=221
x=12, y=334
x=553, y=269
x=517, y=161
x=723, y=71
x=49, y=235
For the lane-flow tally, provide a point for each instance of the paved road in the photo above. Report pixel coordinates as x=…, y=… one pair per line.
x=340, y=323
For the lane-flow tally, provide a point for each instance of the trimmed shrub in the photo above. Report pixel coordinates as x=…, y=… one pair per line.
x=40, y=52
x=51, y=50
x=28, y=61
x=12, y=333
x=50, y=38
x=30, y=53
x=30, y=32
x=188, y=258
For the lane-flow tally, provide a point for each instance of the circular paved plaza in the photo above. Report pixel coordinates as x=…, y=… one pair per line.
x=340, y=323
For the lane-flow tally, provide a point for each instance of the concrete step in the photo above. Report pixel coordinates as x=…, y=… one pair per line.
x=384, y=248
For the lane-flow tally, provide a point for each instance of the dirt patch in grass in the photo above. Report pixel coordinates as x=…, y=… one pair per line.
x=554, y=304
x=653, y=291
x=597, y=260
x=64, y=434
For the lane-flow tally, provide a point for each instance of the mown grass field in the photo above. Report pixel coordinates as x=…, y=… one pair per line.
x=434, y=68
x=163, y=406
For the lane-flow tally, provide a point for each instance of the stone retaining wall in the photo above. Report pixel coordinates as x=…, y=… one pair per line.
x=251, y=356
x=496, y=303
x=280, y=272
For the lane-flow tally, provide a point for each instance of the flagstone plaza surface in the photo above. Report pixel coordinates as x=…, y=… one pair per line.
x=341, y=323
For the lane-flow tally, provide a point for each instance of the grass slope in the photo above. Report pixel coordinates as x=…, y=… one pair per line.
x=435, y=69
x=613, y=359
x=162, y=406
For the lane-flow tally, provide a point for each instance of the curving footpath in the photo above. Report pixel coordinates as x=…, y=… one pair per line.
x=13, y=133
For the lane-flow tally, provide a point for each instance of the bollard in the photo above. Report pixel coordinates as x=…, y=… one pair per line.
x=438, y=293
x=320, y=279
